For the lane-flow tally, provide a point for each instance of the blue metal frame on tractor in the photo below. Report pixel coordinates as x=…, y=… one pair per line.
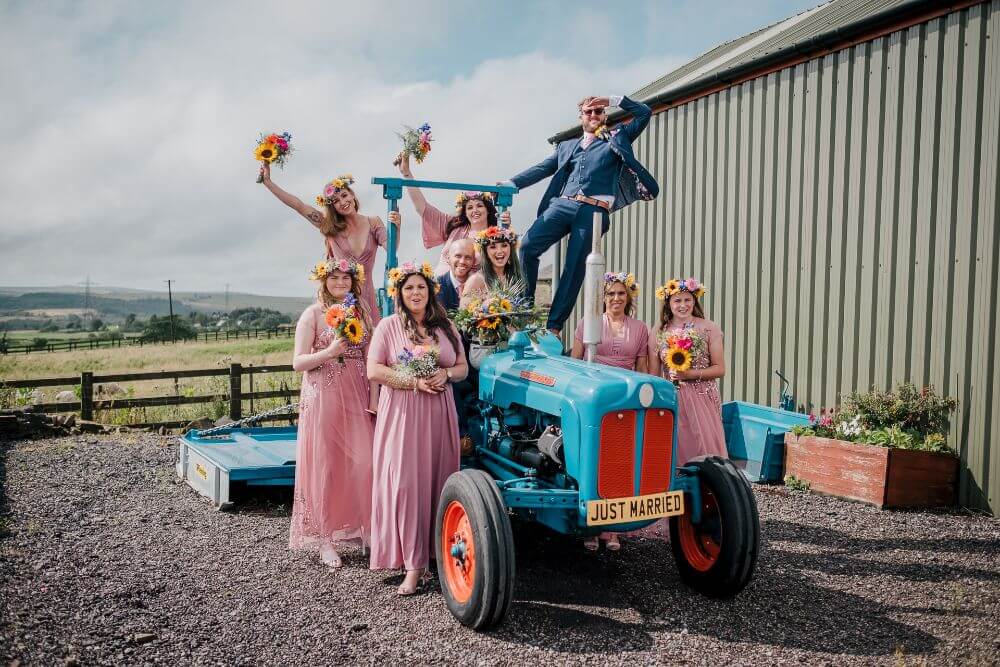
x=392, y=192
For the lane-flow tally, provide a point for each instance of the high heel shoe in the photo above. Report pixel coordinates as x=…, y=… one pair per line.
x=592, y=543
x=612, y=543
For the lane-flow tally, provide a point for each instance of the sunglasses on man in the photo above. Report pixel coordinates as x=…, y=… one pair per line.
x=592, y=112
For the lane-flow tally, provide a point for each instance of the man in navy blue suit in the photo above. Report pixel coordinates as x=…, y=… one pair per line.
x=595, y=172
x=461, y=258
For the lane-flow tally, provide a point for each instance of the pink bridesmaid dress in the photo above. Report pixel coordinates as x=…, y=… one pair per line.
x=333, y=469
x=621, y=351
x=699, y=405
x=435, y=232
x=416, y=449
x=339, y=246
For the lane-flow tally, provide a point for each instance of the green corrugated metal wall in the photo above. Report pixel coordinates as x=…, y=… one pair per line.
x=843, y=213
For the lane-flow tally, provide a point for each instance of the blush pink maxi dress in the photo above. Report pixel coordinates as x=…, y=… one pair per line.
x=333, y=470
x=434, y=223
x=340, y=247
x=416, y=449
x=621, y=351
x=699, y=405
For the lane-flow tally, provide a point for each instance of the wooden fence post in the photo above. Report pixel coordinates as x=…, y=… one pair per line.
x=235, y=391
x=87, y=395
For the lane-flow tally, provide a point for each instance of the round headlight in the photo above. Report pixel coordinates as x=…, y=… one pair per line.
x=646, y=395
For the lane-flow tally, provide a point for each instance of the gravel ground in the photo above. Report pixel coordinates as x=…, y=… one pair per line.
x=105, y=559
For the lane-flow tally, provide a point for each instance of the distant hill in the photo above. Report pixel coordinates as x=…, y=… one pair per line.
x=115, y=303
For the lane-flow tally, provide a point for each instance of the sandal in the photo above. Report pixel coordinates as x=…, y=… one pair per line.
x=592, y=543
x=613, y=544
x=406, y=591
x=330, y=557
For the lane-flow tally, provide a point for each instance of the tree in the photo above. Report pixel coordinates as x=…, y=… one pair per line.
x=96, y=324
x=158, y=330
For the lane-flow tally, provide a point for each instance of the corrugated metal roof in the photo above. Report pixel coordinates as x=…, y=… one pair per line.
x=808, y=31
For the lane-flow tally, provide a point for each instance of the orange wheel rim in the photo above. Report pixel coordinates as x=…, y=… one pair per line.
x=702, y=543
x=458, y=552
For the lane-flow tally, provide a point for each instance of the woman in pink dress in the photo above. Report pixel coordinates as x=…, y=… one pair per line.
x=416, y=433
x=474, y=212
x=699, y=406
x=333, y=469
x=623, y=344
x=347, y=233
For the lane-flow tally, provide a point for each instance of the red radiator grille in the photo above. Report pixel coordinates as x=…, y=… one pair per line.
x=616, y=465
x=657, y=444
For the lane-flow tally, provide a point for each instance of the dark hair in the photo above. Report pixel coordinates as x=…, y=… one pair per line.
x=512, y=271
x=667, y=316
x=629, y=303
x=435, y=317
x=462, y=220
x=326, y=299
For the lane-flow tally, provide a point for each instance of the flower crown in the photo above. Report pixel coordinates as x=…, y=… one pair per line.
x=675, y=286
x=399, y=274
x=323, y=269
x=463, y=197
x=625, y=278
x=340, y=183
x=492, y=235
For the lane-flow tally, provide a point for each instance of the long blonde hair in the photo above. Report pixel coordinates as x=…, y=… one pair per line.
x=334, y=224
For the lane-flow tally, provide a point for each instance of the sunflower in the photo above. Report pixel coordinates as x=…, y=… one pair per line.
x=353, y=330
x=678, y=359
x=266, y=152
x=672, y=286
x=506, y=305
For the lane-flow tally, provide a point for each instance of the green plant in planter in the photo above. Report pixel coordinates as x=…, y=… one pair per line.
x=920, y=411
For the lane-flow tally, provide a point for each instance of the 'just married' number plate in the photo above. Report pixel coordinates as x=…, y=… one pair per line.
x=636, y=508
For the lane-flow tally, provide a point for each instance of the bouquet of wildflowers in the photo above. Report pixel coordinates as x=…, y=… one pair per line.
x=416, y=143
x=419, y=362
x=679, y=348
x=488, y=320
x=273, y=148
x=345, y=320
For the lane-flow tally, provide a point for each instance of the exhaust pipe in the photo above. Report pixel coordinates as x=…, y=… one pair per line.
x=593, y=294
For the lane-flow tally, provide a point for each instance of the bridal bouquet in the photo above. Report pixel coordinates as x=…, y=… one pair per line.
x=416, y=143
x=419, y=362
x=488, y=320
x=273, y=148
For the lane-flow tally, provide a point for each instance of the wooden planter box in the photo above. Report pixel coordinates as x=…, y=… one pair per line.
x=878, y=475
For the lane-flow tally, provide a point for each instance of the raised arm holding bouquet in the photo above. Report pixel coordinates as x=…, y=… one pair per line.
x=346, y=231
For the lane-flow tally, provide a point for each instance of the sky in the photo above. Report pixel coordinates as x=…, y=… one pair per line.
x=130, y=125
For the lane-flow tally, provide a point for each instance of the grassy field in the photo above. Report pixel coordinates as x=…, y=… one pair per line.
x=19, y=337
x=179, y=356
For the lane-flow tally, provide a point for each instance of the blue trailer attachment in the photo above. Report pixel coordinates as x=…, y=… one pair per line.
x=254, y=456
x=755, y=438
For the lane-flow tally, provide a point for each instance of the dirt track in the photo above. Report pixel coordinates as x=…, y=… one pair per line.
x=105, y=559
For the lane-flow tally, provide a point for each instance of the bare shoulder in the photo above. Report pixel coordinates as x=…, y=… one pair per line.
x=709, y=326
x=375, y=222
x=476, y=282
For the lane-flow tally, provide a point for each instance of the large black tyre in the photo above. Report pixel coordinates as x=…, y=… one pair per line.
x=475, y=550
x=717, y=556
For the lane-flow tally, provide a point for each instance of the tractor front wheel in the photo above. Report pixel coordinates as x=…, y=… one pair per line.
x=475, y=549
x=717, y=555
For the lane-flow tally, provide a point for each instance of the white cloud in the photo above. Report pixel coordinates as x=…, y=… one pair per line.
x=134, y=134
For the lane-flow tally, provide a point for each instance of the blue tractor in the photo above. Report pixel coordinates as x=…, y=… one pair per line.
x=581, y=448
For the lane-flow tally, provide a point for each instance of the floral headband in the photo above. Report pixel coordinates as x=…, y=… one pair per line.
x=399, y=274
x=323, y=269
x=462, y=198
x=623, y=277
x=675, y=286
x=340, y=183
x=492, y=235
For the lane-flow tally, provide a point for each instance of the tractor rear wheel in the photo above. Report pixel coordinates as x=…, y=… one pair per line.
x=718, y=555
x=475, y=549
